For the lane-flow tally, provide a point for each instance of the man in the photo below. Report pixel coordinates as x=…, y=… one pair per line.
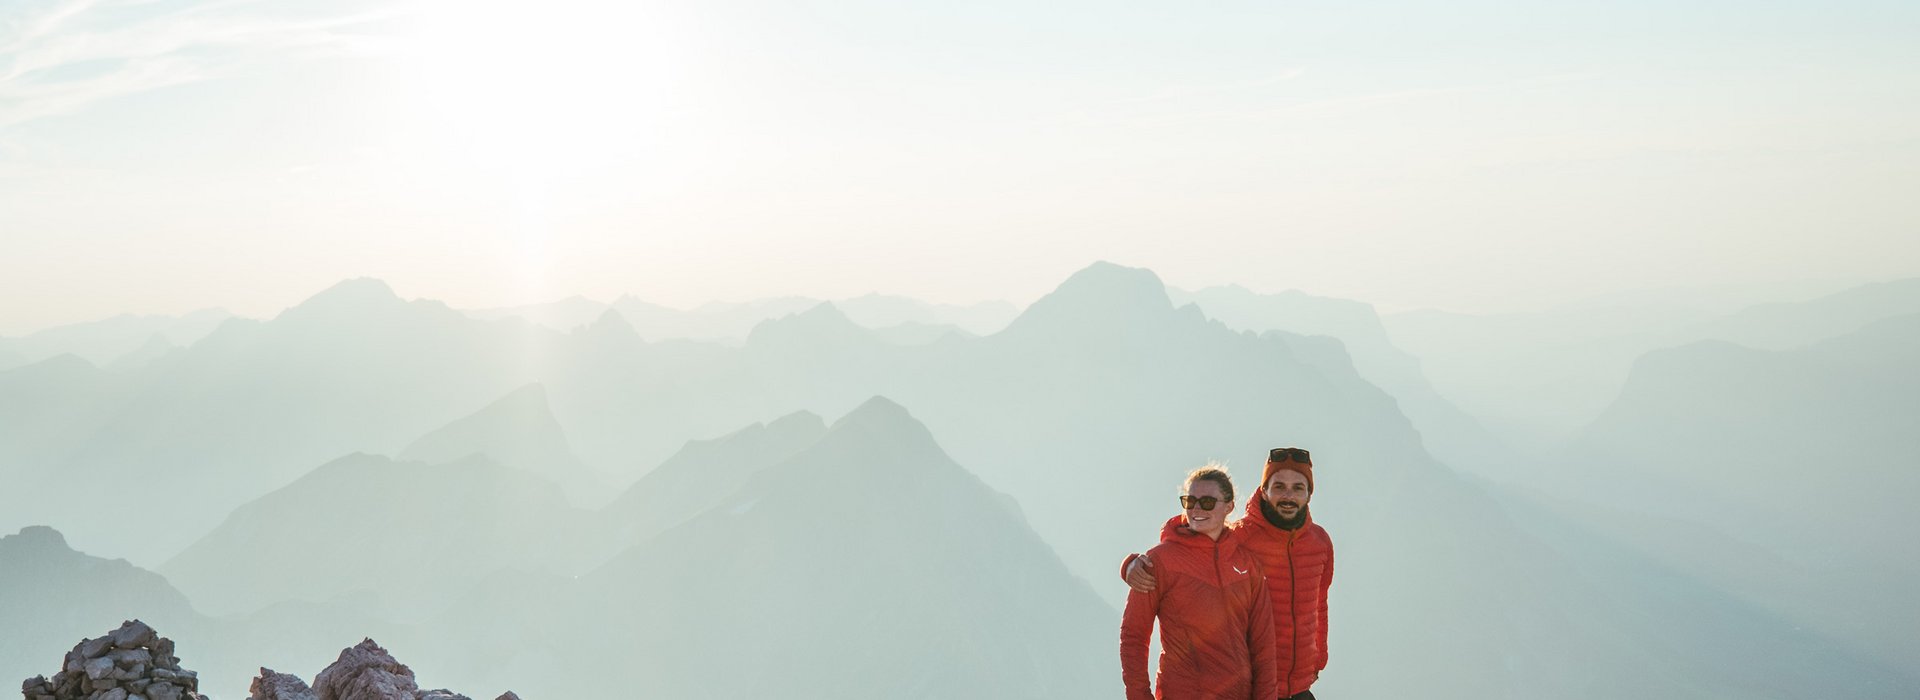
x=1297, y=556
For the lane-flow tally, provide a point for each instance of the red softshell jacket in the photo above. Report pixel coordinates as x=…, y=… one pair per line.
x=1298, y=565
x=1216, y=625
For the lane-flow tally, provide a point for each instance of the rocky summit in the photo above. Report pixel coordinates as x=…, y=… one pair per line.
x=136, y=663
x=364, y=671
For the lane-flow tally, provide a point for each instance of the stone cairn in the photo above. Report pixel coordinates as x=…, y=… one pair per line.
x=130, y=663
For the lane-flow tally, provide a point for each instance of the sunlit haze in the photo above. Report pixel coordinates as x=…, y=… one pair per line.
x=160, y=157
x=859, y=350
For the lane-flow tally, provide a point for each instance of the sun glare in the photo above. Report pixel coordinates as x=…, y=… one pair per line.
x=544, y=91
x=516, y=103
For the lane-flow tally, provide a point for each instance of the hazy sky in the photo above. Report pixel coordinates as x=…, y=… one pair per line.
x=159, y=156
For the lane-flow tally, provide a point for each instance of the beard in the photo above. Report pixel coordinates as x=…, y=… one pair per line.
x=1274, y=517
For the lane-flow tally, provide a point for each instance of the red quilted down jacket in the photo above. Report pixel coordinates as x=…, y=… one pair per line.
x=1299, y=568
x=1298, y=565
x=1216, y=628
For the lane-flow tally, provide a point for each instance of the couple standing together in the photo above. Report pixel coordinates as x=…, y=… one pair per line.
x=1242, y=606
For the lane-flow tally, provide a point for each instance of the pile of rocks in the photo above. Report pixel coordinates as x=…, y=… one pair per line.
x=135, y=663
x=364, y=671
x=130, y=663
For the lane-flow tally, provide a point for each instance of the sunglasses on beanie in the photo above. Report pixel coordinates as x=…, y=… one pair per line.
x=1285, y=454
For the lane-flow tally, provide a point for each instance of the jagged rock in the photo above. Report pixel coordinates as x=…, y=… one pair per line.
x=507, y=696
x=97, y=669
x=365, y=671
x=128, y=658
x=93, y=648
x=270, y=685
x=104, y=669
x=133, y=634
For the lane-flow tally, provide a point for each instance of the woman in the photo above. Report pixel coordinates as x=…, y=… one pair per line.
x=1216, y=623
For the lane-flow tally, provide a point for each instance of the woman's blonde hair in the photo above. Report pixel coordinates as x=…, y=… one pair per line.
x=1214, y=472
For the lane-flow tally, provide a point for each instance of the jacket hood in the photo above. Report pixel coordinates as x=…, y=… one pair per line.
x=1176, y=531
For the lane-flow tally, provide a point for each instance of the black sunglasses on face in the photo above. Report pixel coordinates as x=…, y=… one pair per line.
x=1283, y=454
x=1201, y=502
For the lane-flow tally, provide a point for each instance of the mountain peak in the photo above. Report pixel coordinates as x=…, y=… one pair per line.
x=821, y=322
x=611, y=324
x=797, y=420
x=39, y=537
x=878, y=410
x=1138, y=283
x=882, y=428
x=517, y=430
x=1103, y=293
x=362, y=289
x=357, y=295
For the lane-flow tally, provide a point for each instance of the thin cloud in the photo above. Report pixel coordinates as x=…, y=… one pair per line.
x=77, y=53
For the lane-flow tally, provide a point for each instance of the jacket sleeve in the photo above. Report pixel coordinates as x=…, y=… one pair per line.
x=1136, y=627
x=1260, y=641
x=1124, y=563
x=1320, y=636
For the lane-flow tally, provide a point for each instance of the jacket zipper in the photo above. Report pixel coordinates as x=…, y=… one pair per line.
x=1220, y=582
x=1293, y=648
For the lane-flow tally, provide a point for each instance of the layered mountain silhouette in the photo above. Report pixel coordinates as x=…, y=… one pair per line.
x=1537, y=378
x=518, y=431
x=866, y=565
x=349, y=525
x=731, y=322
x=52, y=596
x=124, y=341
x=700, y=474
x=1085, y=410
x=1805, y=455
x=563, y=315
x=48, y=410
x=255, y=404
x=1448, y=432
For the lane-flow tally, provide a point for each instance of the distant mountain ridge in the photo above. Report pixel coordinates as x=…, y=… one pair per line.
x=1450, y=433
x=1537, y=378
x=865, y=565
x=126, y=340
x=1805, y=454
x=348, y=525
x=1083, y=413
x=731, y=322
x=518, y=431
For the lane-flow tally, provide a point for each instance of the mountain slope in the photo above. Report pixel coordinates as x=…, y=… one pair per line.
x=255, y=404
x=1804, y=454
x=697, y=476
x=867, y=565
x=350, y=524
x=517, y=431
x=1448, y=432
x=52, y=596
x=112, y=340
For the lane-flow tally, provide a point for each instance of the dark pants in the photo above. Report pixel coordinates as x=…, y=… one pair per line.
x=1303, y=695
